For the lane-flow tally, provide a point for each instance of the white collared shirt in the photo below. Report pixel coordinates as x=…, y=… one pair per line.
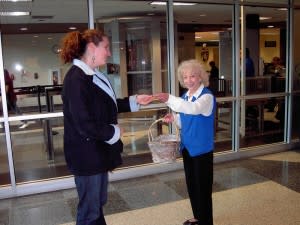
x=202, y=105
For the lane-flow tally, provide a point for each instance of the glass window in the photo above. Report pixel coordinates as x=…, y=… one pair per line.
x=264, y=121
x=38, y=150
x=265, y=1
x=295, y=116
x=297, y=3
x=137, y=32
x=296, y=70
x=263, y=73
x=30, y=46
x=1, y=108
x=209, y=40
x=4, y=171
x=223, y=126
x=296, y=76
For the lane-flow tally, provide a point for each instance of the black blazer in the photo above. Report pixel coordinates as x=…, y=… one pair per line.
x=88, y=114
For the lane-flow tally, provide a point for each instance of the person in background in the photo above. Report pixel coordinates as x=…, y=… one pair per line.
x=275, y=68
x=11, y=97
x=195, y=117
x=249, y=65
x=214, y=71
x=214, y=77
x=92, y=135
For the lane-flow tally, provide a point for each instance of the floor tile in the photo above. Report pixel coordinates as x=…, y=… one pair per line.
x=257, y=191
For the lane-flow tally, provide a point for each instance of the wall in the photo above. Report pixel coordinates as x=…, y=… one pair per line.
x=267, y=53
x=213, y=55
x=35, y=53
x=186, y=46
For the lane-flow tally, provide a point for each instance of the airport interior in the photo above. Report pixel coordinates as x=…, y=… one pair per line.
x=256, y=127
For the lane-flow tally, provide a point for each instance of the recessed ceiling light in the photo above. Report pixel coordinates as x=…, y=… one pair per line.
x=72, y=28
x=174, y=3
x=264, y=18
x=18, y=67
x=282, y=9
x=15, y=0
x=184, y=3
x=23, y=28
x=270, y=26
x=14, y=13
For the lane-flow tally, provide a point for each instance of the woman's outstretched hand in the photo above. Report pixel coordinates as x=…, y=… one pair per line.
x=162, y=97
x=144, y=99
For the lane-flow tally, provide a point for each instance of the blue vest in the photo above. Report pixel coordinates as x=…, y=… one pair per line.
x=197, y=131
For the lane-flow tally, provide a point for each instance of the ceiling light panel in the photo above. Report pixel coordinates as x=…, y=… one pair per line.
x=174, y=3
x=15, y=0
x=14, y=13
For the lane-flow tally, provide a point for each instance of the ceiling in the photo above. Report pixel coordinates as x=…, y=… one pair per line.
x=58, y=15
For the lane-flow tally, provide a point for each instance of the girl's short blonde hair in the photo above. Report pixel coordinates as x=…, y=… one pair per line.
x=194, y=67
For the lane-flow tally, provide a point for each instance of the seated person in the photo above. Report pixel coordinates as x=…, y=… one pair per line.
x=275, y=68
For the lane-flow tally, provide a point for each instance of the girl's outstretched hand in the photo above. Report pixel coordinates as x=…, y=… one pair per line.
x=144, y=99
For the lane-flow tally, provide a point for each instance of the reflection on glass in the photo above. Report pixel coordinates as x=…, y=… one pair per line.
x=223, y=126
x=263, y=121
x=295, y=116
x=140, y=83
x=296, y=47
x=139, y=60
x=265, y=52
x=135, y=138
x=4, y=168
x=138, y=46
x=269, y=1
x=30, y=54
x=210, y=42
x=41, y=69
x=38, y=150
x=1, y=108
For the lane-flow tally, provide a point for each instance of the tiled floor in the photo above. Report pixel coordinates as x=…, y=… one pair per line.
x=258, y=191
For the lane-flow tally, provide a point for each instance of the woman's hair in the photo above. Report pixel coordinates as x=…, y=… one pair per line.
x=73, y=45
x=6, y=73
x=194, y=67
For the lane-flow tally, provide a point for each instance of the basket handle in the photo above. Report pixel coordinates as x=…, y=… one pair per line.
x=150, y=135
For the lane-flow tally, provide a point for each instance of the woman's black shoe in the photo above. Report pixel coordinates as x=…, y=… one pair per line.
x=188, y=222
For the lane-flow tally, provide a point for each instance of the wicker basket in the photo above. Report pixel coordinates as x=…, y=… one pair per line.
x=164, y=148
